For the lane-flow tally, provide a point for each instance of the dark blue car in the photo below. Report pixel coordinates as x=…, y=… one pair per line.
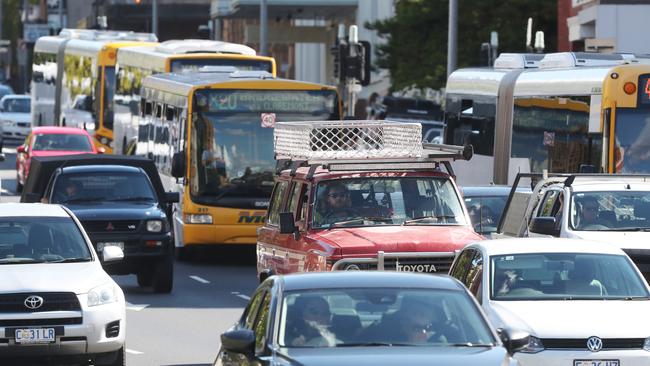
x=365, y=318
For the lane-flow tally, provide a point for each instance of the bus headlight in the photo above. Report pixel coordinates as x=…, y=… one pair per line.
x=198, y=219
x=154, y=226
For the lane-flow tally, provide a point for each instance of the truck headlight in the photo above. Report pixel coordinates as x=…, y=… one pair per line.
x=155, y=226
x=534, y=345
x=104, y=294
x=198, y=219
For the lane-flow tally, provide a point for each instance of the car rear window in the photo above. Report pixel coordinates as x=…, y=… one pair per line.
x=102, y=186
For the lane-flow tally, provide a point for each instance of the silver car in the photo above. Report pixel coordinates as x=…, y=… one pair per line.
x=56, y=301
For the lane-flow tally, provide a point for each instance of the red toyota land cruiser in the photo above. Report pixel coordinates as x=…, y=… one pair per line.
x=402, y=214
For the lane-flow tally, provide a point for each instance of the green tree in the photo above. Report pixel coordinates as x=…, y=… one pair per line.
x=415, y=51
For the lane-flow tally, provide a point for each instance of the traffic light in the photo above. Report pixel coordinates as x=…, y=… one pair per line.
x=352, y=61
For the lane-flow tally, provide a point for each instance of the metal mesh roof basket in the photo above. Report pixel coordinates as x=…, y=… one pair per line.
x=347, y=140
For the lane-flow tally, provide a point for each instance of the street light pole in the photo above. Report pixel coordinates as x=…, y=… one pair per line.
x=154, y=17
x=263, y=27
x=452, y=36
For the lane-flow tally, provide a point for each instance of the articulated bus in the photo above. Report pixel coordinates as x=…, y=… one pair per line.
x=73, y=78
x=211, y=135
x=177, y=56
x=547, y=117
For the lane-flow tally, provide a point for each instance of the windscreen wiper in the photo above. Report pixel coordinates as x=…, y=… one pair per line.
x=84, y=199
x=72, y=260
x=416, y=220
x=627, y=229
x=470, y=344
x=127, y=199
x=20, y=260
x=373, y=344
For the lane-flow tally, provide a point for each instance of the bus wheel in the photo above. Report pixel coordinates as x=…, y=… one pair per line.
x=163, y=279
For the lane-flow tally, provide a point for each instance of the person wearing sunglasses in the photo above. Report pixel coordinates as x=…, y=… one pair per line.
x=336, y=204
x=310, y=321
x=589, y=214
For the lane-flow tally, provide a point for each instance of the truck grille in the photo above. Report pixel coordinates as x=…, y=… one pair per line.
x=437, y=264
x=110, y=226
x=581, y=343
x=52, y=301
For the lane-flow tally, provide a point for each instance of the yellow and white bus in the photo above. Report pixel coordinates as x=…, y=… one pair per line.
x=176, y=56
x=73, y=78
x=557, y=113
x=211, y=135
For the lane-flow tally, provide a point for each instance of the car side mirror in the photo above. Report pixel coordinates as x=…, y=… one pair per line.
x=172, y=197
x=178, y=164
x=32, y=197
x=287, y=223
x=545, y=225
x=239, y=341
x=2, y=157
x=112, y=254
x=513, y=340
x=101, y=150
x=21, y=149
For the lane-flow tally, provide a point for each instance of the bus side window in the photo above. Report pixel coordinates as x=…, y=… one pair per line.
x=158, y=111
x=169, y=113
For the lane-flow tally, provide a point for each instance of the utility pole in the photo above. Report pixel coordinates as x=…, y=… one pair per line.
x=452, y=36
x=154, y=17
x=263, y=27
x=61, y=14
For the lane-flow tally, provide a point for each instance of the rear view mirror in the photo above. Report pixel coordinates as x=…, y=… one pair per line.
x=172, y=197
x=545, y=225
x=112, y=253
x=239, y=341
x=178, y=164
x=287, y=223
x=513, y=340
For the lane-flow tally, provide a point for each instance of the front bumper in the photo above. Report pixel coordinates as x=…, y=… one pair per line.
x=15, y=132
x=74, y=340
x=636, y=357
x=137, y=251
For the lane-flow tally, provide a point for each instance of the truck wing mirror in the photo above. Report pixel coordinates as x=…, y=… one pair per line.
x=287, y=223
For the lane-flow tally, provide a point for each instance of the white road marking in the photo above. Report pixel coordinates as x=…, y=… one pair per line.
x=197, y=278
x=241, y=296
x=135, y=307
x=133, y=352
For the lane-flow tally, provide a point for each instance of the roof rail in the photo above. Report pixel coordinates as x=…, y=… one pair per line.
x=107, y=35
x=574, y=59
x=183, y=46
x=518, y=60
x=359, y=145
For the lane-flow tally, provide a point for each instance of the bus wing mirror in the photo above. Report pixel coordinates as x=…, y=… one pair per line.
x=178, y=164
x=172, y=197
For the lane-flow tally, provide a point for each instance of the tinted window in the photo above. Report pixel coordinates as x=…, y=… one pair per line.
x=387, y=201
x=485, y=212
x=61, y=142
x=564, y=276
x=261, y=323
x=102, y=186
x=37, y=239
x=17, y=105
x=401, y=316
x=295, y=200
x=276, y=202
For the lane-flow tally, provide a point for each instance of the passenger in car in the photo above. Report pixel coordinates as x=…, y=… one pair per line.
x=335, y=204
x=308, y=322
x=416, y=322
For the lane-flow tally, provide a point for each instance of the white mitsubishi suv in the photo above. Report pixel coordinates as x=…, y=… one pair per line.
x=56, y=301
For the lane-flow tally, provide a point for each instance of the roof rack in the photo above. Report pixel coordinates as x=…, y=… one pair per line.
x=569, y=179
x=360, y=145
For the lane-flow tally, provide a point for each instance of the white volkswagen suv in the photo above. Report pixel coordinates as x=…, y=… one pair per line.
x=56, y=301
